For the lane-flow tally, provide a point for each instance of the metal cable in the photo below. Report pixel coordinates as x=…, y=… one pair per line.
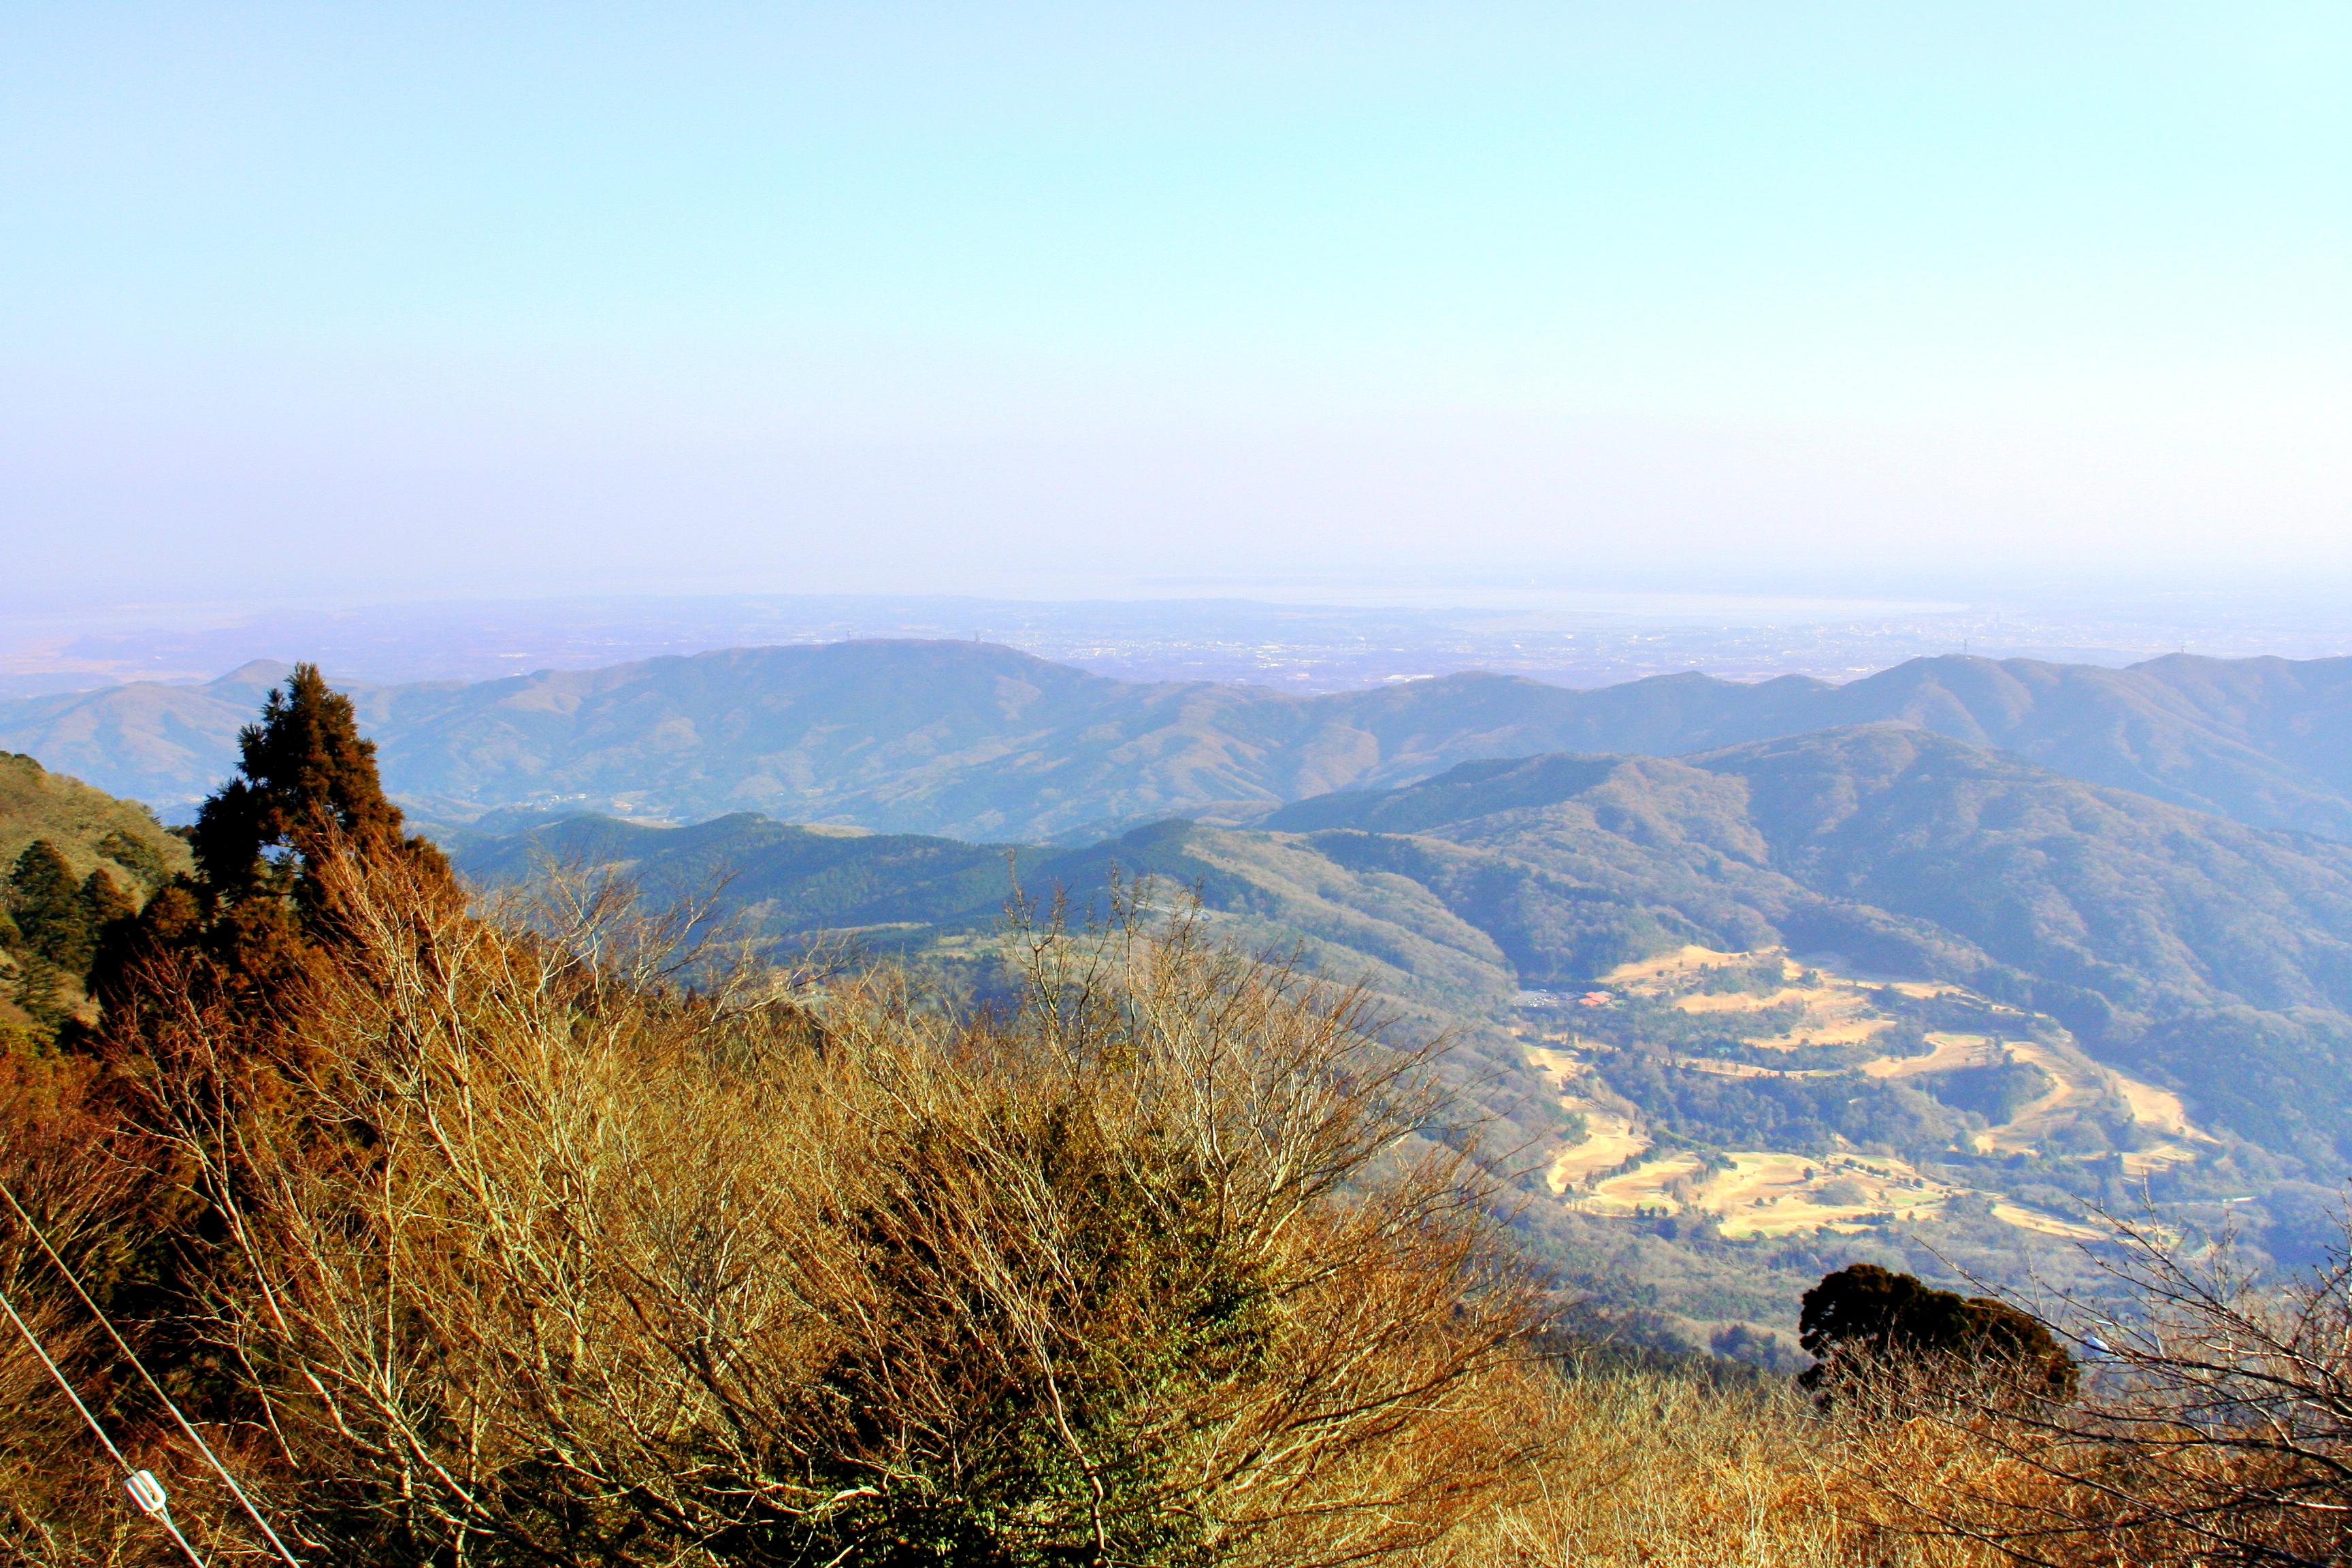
x=91, y=1421
x=141, y=1367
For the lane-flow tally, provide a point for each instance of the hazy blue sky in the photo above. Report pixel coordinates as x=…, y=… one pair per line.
x=343, y=298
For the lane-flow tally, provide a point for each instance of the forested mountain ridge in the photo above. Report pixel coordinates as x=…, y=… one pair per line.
x=90, y=829
x=981, y=741
x=2135, y=904
x=72, y=860
x=2148, y=905
x=2204, y=954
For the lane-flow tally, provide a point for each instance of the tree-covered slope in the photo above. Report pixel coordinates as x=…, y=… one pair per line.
x=73, y=859
x=2115, y=903
x=2125, y=918
x=786, y=878
x=2298, y=712
x=2148, y=906
x=90, y=829
x=893, y=890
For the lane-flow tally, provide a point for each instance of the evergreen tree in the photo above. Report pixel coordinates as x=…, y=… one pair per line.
x=257, y=910
x=103, y=903
x=307, y=787
x=41, y=995
x=49, y=907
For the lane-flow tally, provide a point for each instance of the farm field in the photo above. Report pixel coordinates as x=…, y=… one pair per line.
x=1772, y=1003
x=1609, y=1139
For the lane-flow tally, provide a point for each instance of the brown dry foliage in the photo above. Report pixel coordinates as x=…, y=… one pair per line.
x=504, y=1243
x=1670, y=1472
x=2215, y=1426
x=514, y=1251
x=58, y=1157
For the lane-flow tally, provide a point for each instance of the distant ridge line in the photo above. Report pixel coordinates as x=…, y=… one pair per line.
x=978, y=740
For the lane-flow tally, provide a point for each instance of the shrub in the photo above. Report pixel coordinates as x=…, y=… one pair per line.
x=1880, y=1337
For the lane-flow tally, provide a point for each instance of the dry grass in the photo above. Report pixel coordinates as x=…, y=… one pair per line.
x=509, y=1248
x=1663, y=1469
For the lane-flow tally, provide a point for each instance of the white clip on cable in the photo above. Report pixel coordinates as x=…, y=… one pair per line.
x=146, y=1491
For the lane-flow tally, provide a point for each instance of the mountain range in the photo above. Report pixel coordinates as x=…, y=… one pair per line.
x=980, y=742
x=1972, y=943
x=2209, y=956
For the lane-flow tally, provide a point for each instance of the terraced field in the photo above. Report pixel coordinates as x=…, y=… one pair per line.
x=1609, y=1139
x=1767, y=1192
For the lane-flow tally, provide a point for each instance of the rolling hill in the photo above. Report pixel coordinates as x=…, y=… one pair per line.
x=1879, y=848
x=93, y=830
x=980, y=742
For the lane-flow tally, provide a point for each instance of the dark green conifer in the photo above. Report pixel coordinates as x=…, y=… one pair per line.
x=41, y=993
x=49, y=906
x=103, y=903
x=307, y=787
x=172, y=921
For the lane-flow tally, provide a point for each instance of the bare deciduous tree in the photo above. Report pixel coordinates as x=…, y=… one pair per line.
x=530, y=1254
x=2214, y=1423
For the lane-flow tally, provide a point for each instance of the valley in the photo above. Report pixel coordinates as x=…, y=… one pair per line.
x=1864, y=992
x=2010, y=980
